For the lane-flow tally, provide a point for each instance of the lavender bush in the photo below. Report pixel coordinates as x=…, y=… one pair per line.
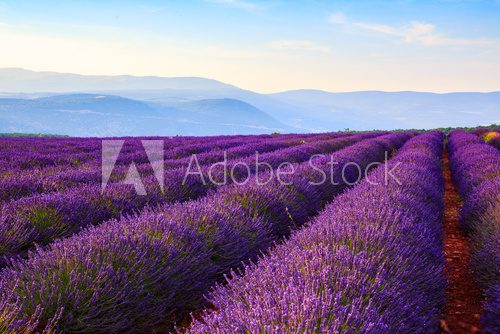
x=371, y=262
x=42, y=218
x=142, y=273
x=475, y=168
x=60, y=177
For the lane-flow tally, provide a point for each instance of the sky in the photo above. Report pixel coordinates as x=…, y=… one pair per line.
x=264, y=46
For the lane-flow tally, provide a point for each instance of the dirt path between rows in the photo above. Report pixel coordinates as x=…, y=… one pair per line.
x=463, y=307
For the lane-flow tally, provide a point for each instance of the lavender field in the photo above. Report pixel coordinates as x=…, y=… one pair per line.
x=302, y=233
x=250, y=167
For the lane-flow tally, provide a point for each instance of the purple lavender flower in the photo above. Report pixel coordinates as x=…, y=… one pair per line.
x=475, y=167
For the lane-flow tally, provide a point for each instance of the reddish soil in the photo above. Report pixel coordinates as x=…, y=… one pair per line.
x=463, y=307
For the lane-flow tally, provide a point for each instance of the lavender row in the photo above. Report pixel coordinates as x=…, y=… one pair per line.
x=133, y=151
x=17, y=158
x=45, y=217
x=141, y=273
x=27, y=146
x=31, y=152
x=26, y=154
x=45, y=181
x=208, y=145
x=250, y=148
x=371, y=262
x=475, y=169
x=33, y=179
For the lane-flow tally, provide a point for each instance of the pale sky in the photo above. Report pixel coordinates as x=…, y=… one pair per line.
x=440, y=46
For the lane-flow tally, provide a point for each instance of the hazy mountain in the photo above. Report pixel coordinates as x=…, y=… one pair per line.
x=17, y=80
x=292, y=115
x=374, y=109
x=105, y=115
x=203, y=106
x=165, y=92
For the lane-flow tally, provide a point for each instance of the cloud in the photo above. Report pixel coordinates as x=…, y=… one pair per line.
x=242, y=4
x=415, y=32
x=298, y=45
x=422, y=33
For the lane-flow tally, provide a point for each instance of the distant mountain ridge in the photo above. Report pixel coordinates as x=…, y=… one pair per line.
x=199, y=106
x=107, y=115
x=17, y=80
